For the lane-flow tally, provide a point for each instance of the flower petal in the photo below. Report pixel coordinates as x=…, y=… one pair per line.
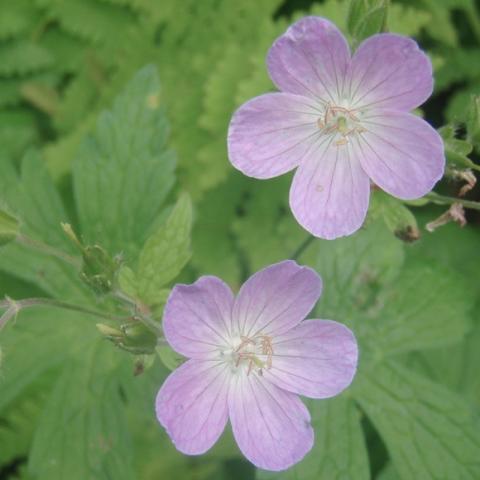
x=197, y=317
x=389, y=71
x=192, y=405
x=275, y=299
x=401, y=153
x=270, y=134
x=271, y=426
x=311, y=58
x=317, y=358
x=330, y=191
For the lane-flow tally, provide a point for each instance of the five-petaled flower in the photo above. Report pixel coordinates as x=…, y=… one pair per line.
x=249, y=358
x=343, y=121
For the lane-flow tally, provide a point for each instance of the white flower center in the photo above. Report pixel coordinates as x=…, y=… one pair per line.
x=341, y=122
x=247, y=354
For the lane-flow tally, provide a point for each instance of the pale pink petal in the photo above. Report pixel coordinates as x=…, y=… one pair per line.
x=330, y=191
x=311, y=58
x=271, y=426
x=389, y=71
x=269, y=135
x=192, y=405
x=275, y=299
x=317, y=358
x=401, y=153
x=197, y=317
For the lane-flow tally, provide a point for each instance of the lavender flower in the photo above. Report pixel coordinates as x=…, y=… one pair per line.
x=343, y=121
x=249, y=358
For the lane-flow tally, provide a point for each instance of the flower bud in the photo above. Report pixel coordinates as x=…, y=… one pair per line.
x=134, y=337
x=99, y=268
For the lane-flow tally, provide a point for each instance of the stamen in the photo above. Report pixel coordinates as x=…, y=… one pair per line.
x=250, y=348
x=342, y=141
x=341, y=120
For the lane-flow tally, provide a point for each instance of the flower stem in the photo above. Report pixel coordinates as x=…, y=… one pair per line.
x=302, y=247
x=14, y=306
x=443, y=200
x=47, y=249
x=141, y=311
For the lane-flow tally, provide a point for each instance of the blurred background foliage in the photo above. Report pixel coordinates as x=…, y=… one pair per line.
x=81, y=142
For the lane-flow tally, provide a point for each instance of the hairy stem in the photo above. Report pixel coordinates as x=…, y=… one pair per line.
x=14, y=306
x=443, y=200
x=141, y=311
x=47, y=249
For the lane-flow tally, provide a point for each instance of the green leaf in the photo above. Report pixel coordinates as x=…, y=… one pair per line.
x=94, y=21
x=9, y=227
x=460, y=65
x=407, y=20
x=456, y=150
x=165, y=252
x=455, y=366
x=17, y=423
x=23, y=57
x=355, y=270
x=123, y=173
x=388, y=473
x=429, y=431
x=169, y=357
x=339, y=451
x=393, y=307
x=366, y=18
x=17, y=131
x=418, y=310
x=82, y=432
x=34, y=347
x=33, y=198
x=17, y=17
x=216, y=216
x=267, y=232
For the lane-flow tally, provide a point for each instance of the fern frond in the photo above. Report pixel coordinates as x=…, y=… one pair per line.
x=22, y=57
x=16, y=17
x=97, y=22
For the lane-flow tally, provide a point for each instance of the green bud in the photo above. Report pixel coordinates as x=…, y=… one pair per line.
x=139, y=338
x=134, y=337
x=9, y=228
x=99, y=269
x=109, y=332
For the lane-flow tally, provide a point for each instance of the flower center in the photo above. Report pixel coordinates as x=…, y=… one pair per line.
x=250, y=354
x=340, y=122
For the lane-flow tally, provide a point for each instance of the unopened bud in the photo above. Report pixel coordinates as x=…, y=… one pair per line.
x=99, y=268
x=9, y=228
x=67, y=228
x=134, y=337
x=109, y=331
